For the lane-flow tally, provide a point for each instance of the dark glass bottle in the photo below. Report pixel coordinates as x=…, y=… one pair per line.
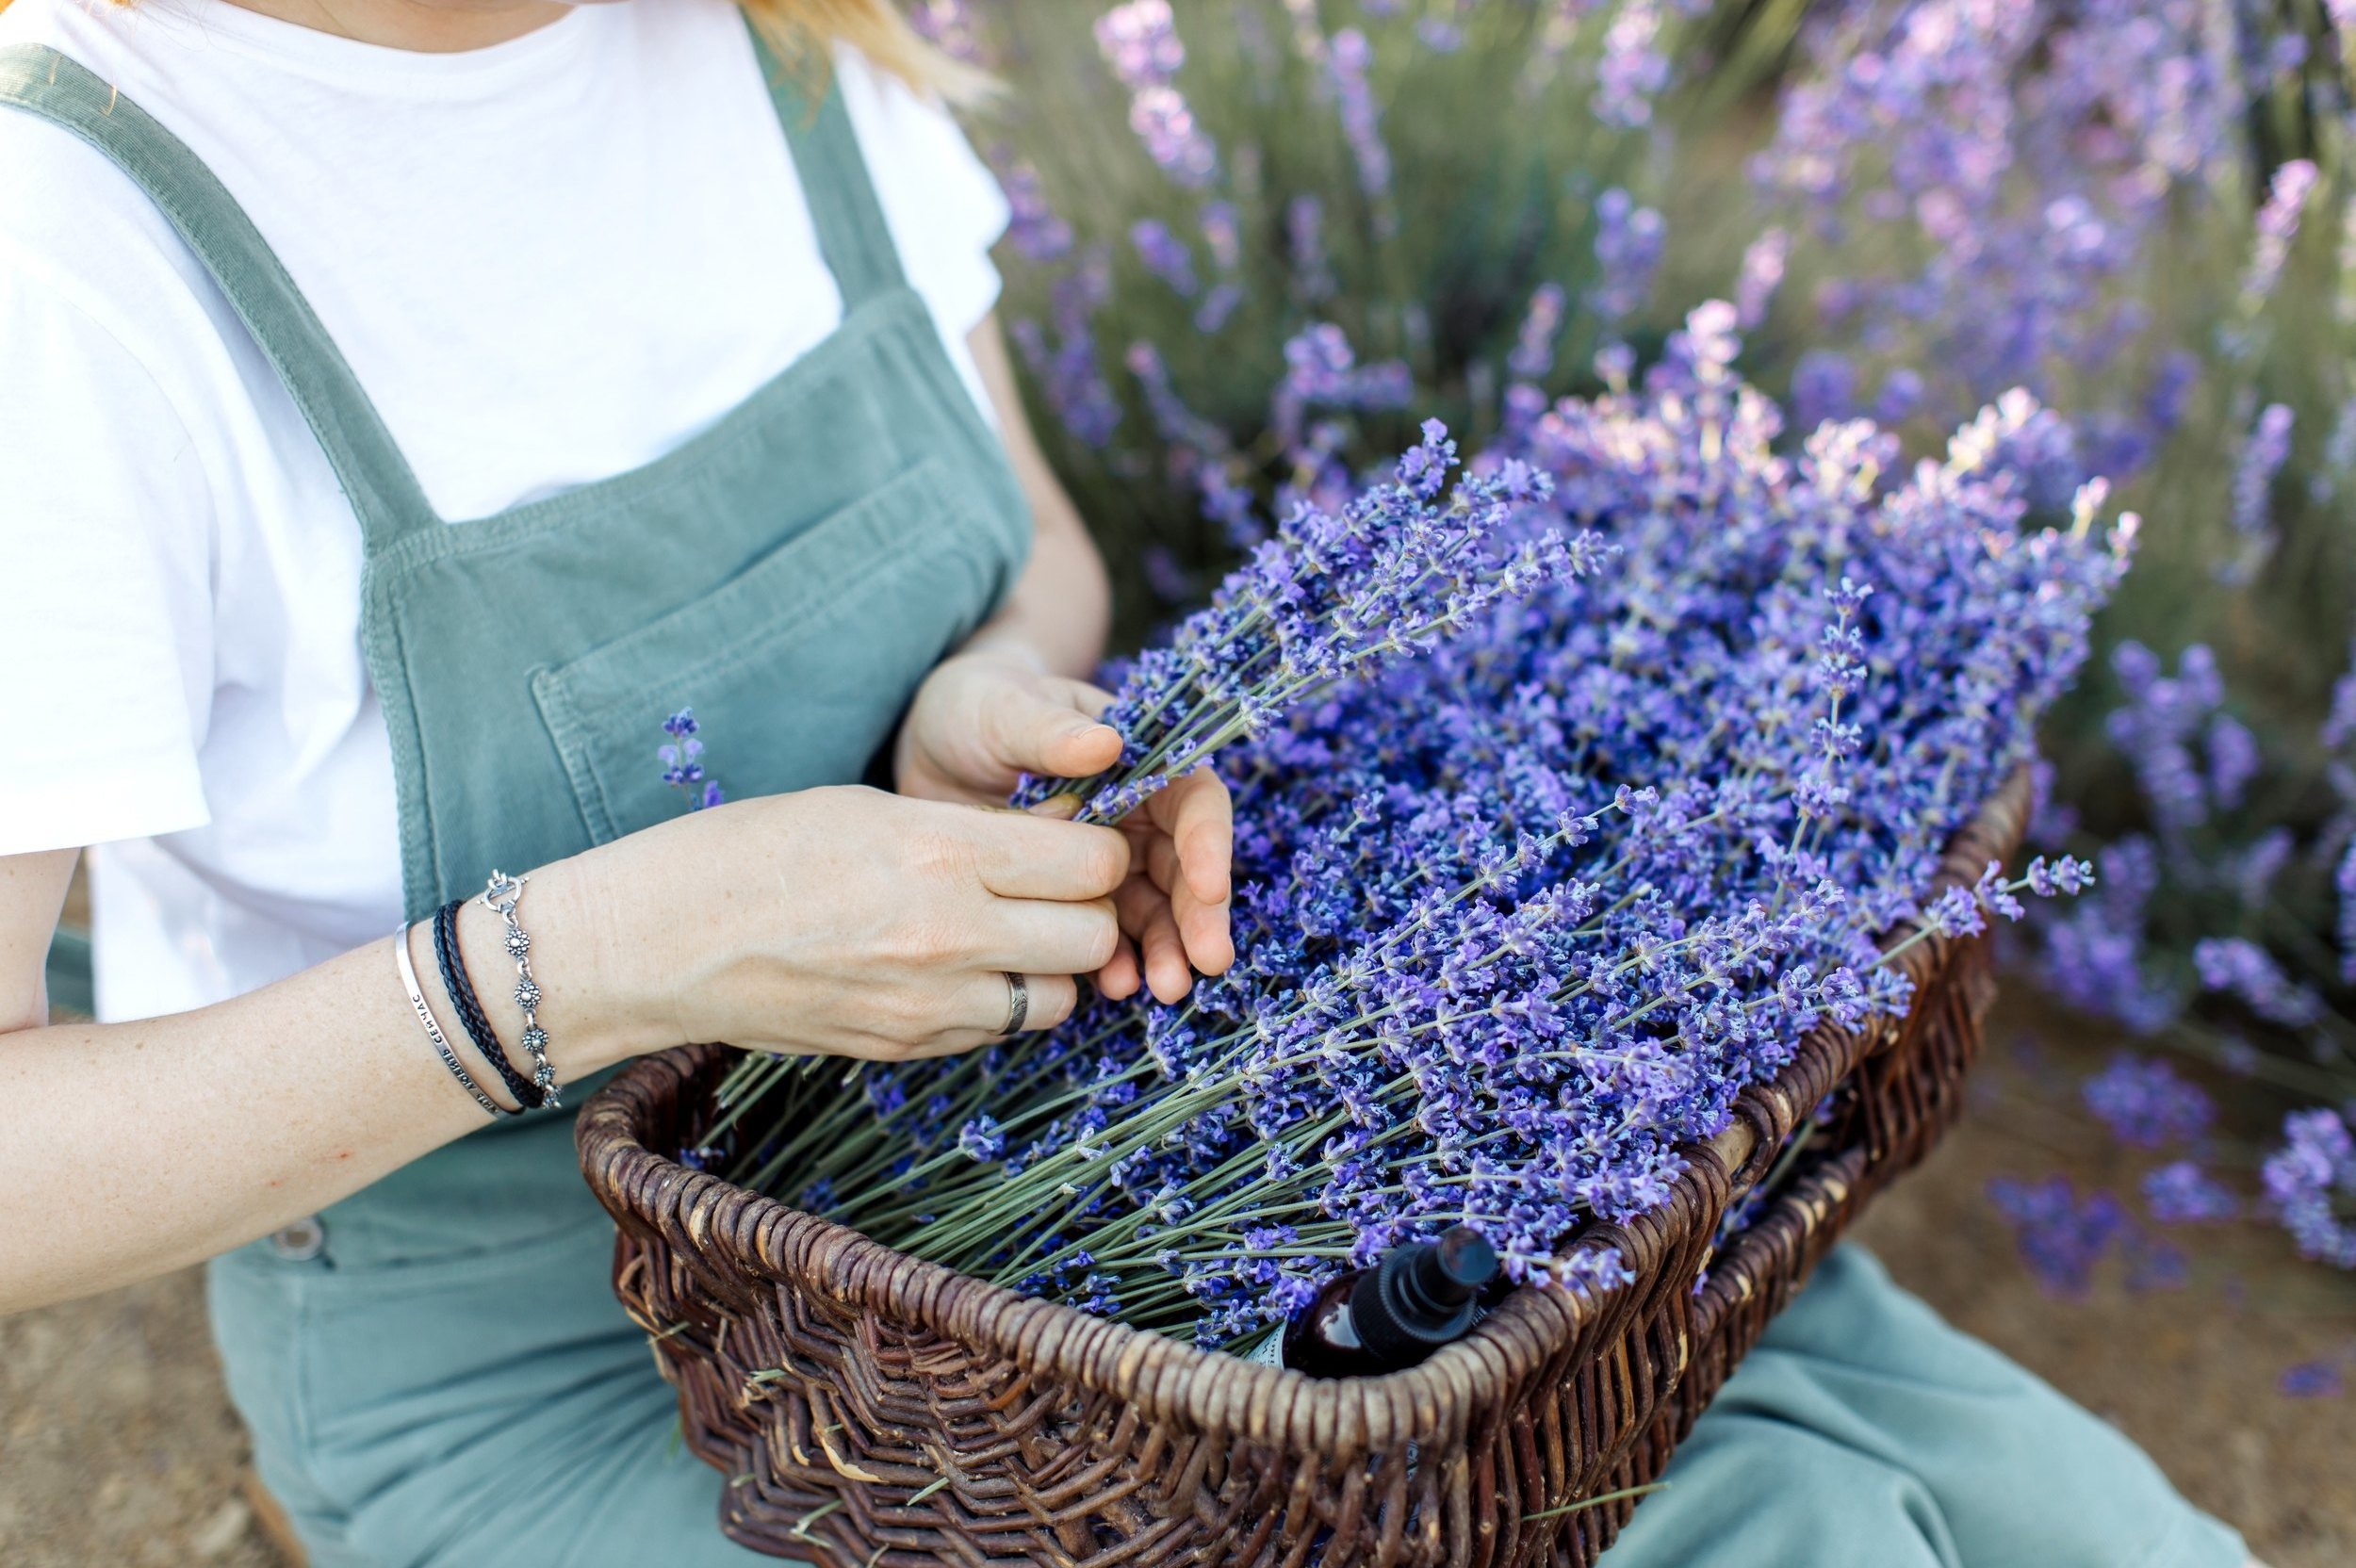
x=1418, y=1298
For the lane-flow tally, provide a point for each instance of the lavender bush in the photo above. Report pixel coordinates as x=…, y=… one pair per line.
x=1254, y=237
x=1521, y=916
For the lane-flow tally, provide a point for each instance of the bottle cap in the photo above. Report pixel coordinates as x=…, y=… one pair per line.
x=1422, y=1295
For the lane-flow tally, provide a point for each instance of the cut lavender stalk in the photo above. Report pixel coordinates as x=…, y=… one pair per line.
x=1400, y=569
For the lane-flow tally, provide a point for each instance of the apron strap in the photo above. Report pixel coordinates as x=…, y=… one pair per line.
x=374, y=476
x=852, y=234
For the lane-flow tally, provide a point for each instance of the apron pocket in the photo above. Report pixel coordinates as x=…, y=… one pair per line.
x=797, y=666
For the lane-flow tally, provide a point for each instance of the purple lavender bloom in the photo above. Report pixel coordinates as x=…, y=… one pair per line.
x=1066, y=366
x=949, y=26
x=683, y=767
x=2310, y=1181
x=1628, y=250
x=1304, y=231
x=1033, y=228
x=2146, y=1102
x=1362, y=121
x=1824, y=386
x=1165, y=255
x=1632, y=70
x=1321, y=371
x=2311, y=1380
x=1141, y=41
x=2059, y=1236
x=2261, y=458
x=2344, y=884
x=2241, y=969
x=2180, y=1193
x=1533, y=348
x=2157, y=727
x=2277, y=227
x=1763, y=264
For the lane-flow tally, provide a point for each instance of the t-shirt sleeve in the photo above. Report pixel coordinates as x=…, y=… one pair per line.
x=942, y=204
x=106, y=606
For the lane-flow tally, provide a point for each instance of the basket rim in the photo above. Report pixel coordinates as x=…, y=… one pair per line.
x=1168, y=1379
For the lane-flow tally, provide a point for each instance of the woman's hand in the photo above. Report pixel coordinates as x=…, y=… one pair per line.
x=846, y=921
x=989, y=715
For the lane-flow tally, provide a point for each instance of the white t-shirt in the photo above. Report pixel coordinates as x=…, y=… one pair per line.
x=548, y=262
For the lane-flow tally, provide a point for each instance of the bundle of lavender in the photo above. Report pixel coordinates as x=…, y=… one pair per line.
x=1518, y=918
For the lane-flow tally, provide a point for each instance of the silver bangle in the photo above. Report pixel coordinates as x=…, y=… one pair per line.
x=433, y=1028
x=500, y=895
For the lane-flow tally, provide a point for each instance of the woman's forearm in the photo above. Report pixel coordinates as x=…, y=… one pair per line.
x=132, y=1148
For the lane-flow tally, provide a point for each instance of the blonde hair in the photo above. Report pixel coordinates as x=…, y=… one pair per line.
x=803, y=30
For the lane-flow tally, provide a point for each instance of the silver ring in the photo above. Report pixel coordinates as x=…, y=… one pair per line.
x=1017, y=1003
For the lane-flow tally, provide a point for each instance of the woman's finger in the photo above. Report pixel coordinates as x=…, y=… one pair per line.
x=1200, y=817
x=1041, y=728
x=1046, y=936
x=1119, y=980
x=1021, y=855
x=1168, y=976
x=1047, y=1000
x=1145, y=916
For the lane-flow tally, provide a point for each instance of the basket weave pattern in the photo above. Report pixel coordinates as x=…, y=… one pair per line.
x=876, y=1411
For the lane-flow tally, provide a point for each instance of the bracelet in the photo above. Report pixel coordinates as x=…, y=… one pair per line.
x=500, y=895
x=434, y=1029
x=461, y=988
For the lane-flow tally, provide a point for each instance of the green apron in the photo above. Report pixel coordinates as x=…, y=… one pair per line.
x=435, y=1371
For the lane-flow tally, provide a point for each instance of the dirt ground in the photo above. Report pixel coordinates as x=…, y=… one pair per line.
x=116, y=1446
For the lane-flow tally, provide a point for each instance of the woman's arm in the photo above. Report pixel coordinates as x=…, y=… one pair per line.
x=1014, y=700
x=130, y=1148
x=1061, y=608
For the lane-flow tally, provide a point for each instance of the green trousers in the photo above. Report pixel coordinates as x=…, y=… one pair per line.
x=1864, y=1432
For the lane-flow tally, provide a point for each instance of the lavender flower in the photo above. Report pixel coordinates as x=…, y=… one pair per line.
x=1321, y=371
x=2060, y=1237
x=1348, y=59
x=2261, y=458
x=1628, y=249
x=683, y=768
x=2180, y=1193
x=1165, y=255
x=2277, y=227
x=1141, y=41
x=2309, y=1179
x=2243, y=970
x=1633, y=71
x=2311, y=1380
x=1762, y=274
x=2146, y=1102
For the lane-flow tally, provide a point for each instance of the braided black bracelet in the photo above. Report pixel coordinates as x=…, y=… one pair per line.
x=470, y=1017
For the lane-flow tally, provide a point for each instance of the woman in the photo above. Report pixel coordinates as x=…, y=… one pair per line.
x=731, y=426
x=704, y=360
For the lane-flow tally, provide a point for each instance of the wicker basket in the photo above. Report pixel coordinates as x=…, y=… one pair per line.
x=874, y=1411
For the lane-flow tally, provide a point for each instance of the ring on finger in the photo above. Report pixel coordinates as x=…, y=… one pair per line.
x=1017, y=1003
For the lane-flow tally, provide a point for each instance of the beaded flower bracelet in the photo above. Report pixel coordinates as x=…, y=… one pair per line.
x=500, y=895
